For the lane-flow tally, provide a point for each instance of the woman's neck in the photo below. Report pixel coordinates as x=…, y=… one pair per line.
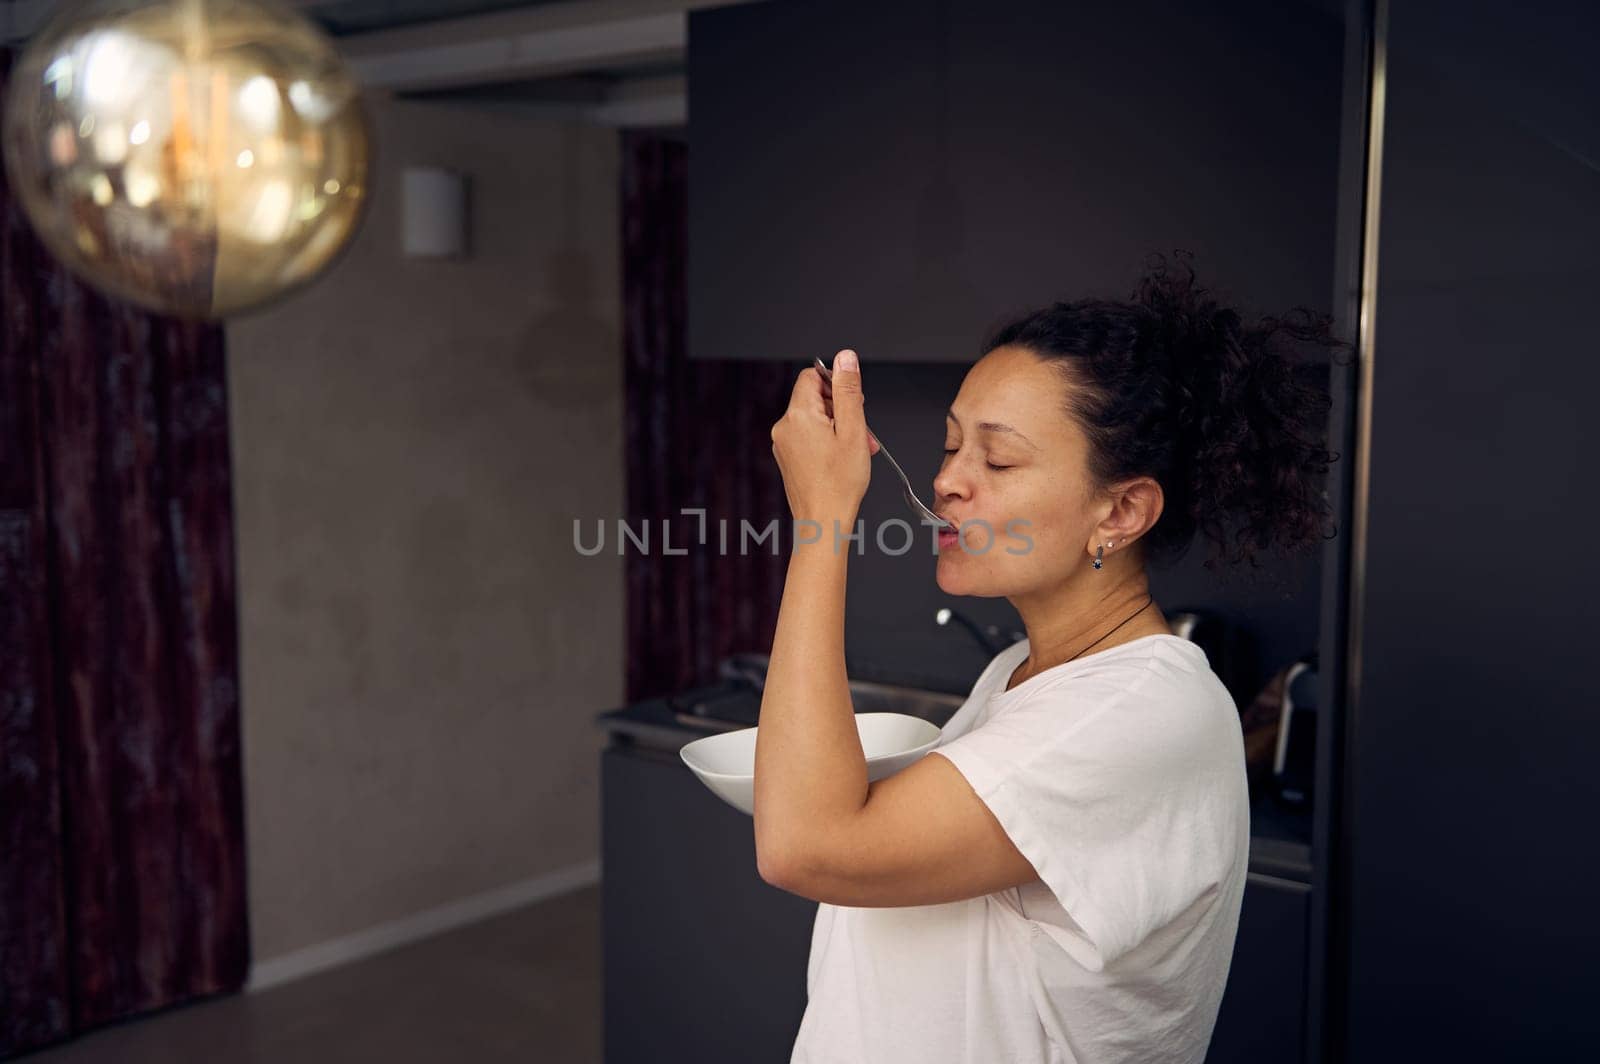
x=1086, y=621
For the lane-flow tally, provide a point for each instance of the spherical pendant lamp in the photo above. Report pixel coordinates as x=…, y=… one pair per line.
x=195, y=157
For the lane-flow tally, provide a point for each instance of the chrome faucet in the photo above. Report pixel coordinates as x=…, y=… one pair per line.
x=990, y=637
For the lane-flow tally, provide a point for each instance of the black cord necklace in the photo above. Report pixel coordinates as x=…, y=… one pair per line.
x=1131, y=616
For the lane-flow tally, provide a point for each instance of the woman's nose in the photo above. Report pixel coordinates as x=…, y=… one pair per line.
x=947, y=484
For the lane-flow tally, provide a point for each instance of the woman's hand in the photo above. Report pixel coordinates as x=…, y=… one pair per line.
x=822, y=445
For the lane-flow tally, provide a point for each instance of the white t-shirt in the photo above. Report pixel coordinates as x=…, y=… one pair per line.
x=1121, y=777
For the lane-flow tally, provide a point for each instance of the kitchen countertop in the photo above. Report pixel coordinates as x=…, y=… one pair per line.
x=654, y=723
x=1280, y=836
x=669, y=721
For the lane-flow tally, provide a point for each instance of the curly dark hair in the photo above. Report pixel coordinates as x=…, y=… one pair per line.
x=1173, y=386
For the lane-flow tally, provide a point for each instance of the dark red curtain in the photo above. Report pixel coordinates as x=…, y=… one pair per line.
x=698, y=436
x=122, y=862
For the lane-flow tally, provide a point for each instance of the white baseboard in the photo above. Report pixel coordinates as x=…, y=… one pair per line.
x=354, y=947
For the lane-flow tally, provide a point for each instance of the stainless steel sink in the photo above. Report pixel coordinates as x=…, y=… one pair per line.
x=867, y=696
x=937, y=707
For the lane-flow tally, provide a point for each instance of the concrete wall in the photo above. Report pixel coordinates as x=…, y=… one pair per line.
x=422, y=650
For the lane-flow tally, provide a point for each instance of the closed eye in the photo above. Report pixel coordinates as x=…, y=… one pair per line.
x=991, y=465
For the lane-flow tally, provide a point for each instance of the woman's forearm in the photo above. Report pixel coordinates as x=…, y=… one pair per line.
x=810, y=773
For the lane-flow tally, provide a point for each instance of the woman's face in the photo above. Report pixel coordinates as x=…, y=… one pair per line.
x=1014, y=474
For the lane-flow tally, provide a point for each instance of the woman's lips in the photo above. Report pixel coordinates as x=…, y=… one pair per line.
x=948, y=537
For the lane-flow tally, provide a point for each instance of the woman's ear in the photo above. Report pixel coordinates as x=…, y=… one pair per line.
x=1134, y=512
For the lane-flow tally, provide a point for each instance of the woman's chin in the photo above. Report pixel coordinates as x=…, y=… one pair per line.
x=954, y=577
x=959, y=573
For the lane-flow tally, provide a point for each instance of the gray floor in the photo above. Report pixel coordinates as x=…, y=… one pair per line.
x=522, y=987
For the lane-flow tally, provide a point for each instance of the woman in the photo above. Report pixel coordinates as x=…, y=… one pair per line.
x=1061, y=879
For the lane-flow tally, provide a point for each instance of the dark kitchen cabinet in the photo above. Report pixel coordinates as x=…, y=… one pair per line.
x=897, y=175
x=1263, y=1011
x=1463, y=932
x=704, y=961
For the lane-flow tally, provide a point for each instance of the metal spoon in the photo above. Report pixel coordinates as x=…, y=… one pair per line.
x=905, y=481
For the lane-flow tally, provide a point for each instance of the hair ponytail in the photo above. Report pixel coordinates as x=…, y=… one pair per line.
x=1172, y=384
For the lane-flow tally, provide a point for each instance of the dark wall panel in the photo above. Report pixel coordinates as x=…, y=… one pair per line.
x=1474, y=747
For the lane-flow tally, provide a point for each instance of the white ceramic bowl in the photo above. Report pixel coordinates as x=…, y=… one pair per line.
x=726, y=762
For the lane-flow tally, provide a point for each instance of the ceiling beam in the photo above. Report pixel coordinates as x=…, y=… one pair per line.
x=468, y=58
x=540, y=41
